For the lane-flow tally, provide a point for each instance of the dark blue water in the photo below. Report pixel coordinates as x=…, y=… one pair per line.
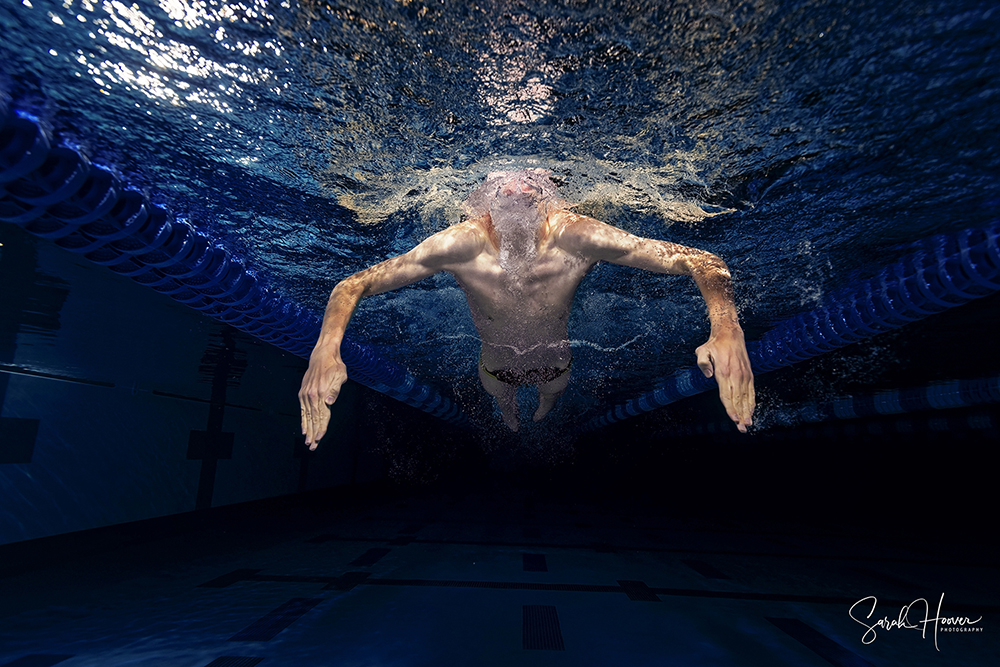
x=804, y=142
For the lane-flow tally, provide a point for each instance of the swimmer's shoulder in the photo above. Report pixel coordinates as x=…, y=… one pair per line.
x=458, y=243
x=572, y=231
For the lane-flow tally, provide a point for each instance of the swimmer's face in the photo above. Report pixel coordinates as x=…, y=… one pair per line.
x=518, y=198
x=518, y=187
x=527, y=187
x=515, y=204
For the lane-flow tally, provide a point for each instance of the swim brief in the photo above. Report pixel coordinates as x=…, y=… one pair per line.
x=532, y=376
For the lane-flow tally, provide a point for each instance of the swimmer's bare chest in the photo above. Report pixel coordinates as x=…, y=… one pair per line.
x=522, y=317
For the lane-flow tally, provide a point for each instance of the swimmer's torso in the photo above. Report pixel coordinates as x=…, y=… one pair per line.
x=522, y=316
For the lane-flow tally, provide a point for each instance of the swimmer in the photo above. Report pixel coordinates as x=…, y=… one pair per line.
x=519, y=256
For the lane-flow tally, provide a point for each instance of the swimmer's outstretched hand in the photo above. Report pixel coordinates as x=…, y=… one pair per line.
x=320, y=388
x=725, y=357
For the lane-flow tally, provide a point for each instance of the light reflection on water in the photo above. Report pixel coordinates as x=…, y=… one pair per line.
x=169, y=66
x=511, y=75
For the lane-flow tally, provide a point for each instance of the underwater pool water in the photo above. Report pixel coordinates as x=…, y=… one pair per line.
x=157, y=506
x=806, y=143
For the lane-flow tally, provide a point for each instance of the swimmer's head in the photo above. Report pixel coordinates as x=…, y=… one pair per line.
x=527, y=185
x=517, y=202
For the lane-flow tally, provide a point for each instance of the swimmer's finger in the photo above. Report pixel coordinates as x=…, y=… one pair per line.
x=741, y=415
x=331, y=394
x=319, y=414
x=726, y=395
x=747, y=392
x=320, y=418
x=751, y=403
x=304, y=412
x=307, y=429
x=705, y=361
x=311, y=413
x=745, y=404
x=736, y=399
x=322, y=423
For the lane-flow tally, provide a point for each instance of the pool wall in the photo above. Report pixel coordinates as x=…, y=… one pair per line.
x=120, y=404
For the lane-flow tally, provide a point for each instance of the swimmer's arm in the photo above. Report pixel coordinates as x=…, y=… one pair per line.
x=724, y=355
x=437, y=253
x=598, y=241
x=327, y=371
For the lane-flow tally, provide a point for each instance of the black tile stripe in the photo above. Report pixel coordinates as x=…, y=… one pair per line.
x=195, y=399
x=270, y=625
x=234, y=661
x=534, y=563
x=705, y=569
x=349, y=580
x=400, y=541
x=37, y=660
x=370, y=557
x=608, y=548
x=540, y=628
x=222, y=362
x=638, y=591
x=819, y=643
x=781, y=597
x=293, y=578
x=229, y=579
x=210, y=445
x=500, y=585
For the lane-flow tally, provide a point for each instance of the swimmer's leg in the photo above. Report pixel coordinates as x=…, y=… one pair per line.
x=549, y=393
x=506, y=395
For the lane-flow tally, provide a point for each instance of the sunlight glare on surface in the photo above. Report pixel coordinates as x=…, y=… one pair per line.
x=170, y=69
x=510, y=72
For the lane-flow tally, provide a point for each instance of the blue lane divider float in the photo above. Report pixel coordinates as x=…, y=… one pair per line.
x=943, y=272
x=56, y=193
x=936, y=396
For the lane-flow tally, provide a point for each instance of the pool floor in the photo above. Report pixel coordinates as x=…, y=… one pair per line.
x=488, y=577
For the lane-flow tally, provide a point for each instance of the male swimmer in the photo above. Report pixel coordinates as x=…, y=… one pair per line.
x=520, y=256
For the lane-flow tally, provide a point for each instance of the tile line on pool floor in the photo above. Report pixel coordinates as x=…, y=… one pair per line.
x=601, y=546
x=636, y=590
